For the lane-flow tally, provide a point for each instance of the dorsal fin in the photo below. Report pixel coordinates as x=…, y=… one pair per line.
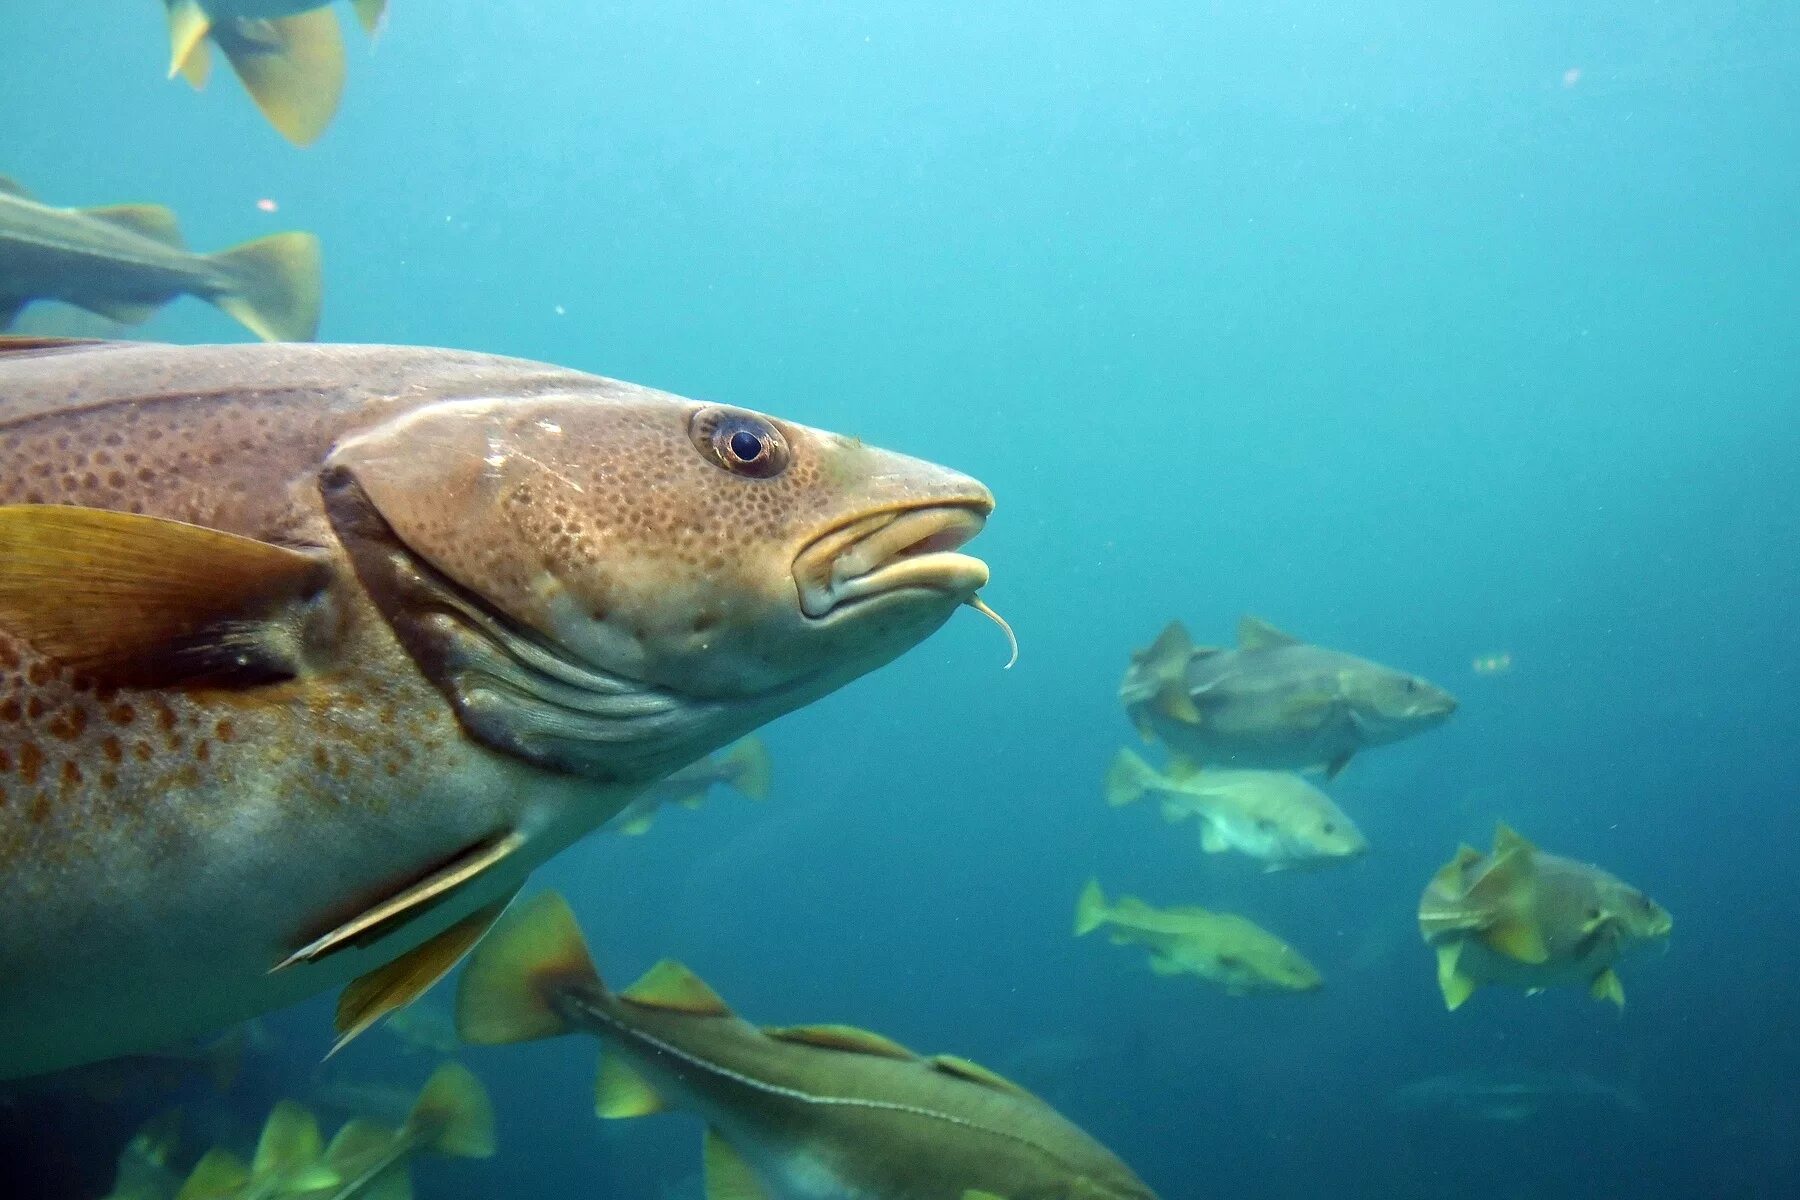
x=12, y=187
x=962, y=1068
x=1254, y=633
x=670, y=986
x=1172, y=646
x=1506, y=838
x=842, y=1037
x=146, y=220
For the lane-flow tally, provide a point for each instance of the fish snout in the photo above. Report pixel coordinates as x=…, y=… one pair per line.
x=893, y=551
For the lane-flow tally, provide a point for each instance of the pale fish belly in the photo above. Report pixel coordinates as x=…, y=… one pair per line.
x=161, y=851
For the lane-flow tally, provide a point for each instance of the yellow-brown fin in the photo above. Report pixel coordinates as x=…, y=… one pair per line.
x=747, y=767
x=289, y=1144
x=453, y=1115
x=974, y=1072
x=369, y=998
x=377, y=922
x=620, y=1093
x=728, y=1176
x=672, y=987
x=358, y=1141
x=274, y=286
x=1507, y=840
x=842, y=1037
x=1091, y=911
x=188, y=28
x=1517, y=938
x=1128, y=779
x=146, y=220
x=293, y=67
x=135, y=601
x=508, y=991
x=218, y=1175
x=1174, y=702
x=1254, y=633
x=1456, y=986
x=1606, y=986
x=370, y=14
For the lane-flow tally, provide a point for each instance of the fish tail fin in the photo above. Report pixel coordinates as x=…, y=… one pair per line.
x=746, y=766
x=454, y=1114
x=509, y=989
x=370, y=14
x=289, y=1144
x=275, y=286
x=1129, y=778
x=218, y=1173
x=1091, y=909
x=293, y=67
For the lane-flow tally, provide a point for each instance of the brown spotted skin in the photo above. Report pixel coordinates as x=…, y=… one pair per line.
x=161, y=850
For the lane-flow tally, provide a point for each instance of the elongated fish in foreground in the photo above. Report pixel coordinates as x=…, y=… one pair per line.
x=816, y=1110
x=1275, y=817
x=288, y=54
x=309, y=654
x=1519, y=917
x=1274, y=702
x=127, y=261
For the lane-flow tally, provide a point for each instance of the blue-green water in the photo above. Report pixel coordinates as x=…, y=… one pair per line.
x=1425, y=331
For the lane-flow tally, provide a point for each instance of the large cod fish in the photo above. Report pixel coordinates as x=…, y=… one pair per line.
x=309, y=654
x=813, y=1111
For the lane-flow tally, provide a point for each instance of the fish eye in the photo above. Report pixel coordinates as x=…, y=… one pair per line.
x=1330, y=827
x=740, y=442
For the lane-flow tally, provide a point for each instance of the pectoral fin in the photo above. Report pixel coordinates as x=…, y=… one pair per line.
x=1518, y=939
x=1606, y=986
x=366, y=1000
x=377, y=922
x=135, y=601
x=1173, y=701
x=293, y=67
x=1211, y=840
x=621, y=1093
x=1456, y=986
x=728, y=1176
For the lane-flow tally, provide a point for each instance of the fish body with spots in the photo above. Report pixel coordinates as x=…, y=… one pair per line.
x=1274, y=702
x=309, y=654
x=801, y=1111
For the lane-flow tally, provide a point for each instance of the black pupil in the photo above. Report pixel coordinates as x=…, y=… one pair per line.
x=745, y=445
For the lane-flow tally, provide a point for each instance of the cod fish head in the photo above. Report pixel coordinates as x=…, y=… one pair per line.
x=1389, y=705
x=1637, y=917
x=616, y=582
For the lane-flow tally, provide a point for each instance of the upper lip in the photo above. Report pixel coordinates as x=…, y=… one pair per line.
x=882, y=552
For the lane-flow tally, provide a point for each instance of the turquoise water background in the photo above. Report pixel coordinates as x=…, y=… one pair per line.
x=1424, y=331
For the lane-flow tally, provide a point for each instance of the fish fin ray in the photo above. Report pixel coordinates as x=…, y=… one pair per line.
x=188, y=28
x=1128, y=779
x=728, y=1176
x=392, y=986
x=842, y=1037
x=502, y=995
x=140, y=601
x=672, y=987
x=620, y=1093
x=293, y=67
x=276, y=286
x=377, y=921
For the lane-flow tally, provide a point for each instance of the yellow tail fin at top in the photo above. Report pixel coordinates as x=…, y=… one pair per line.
x=747, y=767
x=293, y=67
x=275, y=285
x=453, y=1114
x=1091, y=910
x=508, y=990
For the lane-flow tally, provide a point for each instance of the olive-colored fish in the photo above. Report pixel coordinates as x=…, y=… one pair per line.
x=818, y=1110
x=1223, y=948
x=311, y=653
x=1522, y=918
x=452, y=1117
x=744, y=767
x=288, y=54
x=1274, y=702
x=289, y=1160
x=126, y=261
x=1275, y=817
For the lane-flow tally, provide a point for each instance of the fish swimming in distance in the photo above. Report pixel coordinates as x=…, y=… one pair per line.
x=1274, y=702
x=815, y=1110
x=1519, y=917
x=1511, y=1095
x=1225, y=949
x=1275, y=817
x=143, y=1171
x=126, y=261
x=452, y=1117
x=289, y=1161
x=743, y=766
x=288, y=54
x=310, y=654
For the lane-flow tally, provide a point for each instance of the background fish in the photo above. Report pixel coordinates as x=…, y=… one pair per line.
x=1520, y=917
x=322, y=648
x=811, y=1110
x=1498, y=1094
x=288, y=54
x=743, y=766
x=1275, y=701
x=1223, y=948
x=1275, y=817
x=125, y=261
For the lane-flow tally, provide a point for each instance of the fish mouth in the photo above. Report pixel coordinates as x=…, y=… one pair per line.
x=892, y=552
